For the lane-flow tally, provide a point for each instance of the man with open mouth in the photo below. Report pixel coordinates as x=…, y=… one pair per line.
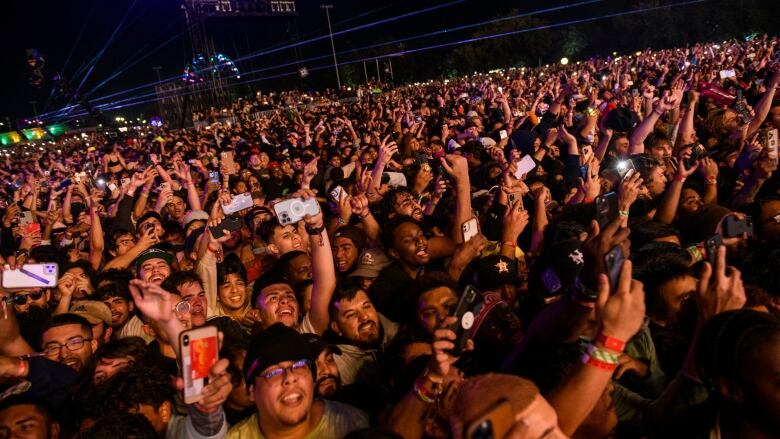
x=280, y=371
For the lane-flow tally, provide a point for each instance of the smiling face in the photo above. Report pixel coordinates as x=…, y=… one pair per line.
x=405, y=204
x=357, y=320
x=176, y=208
x=277, y=303
x=285, y=239
x=120, y=310
x=232, y=292
x=345, y=254
x=410, y=246
x=78, y=357
x=154, y=270
x=192, y=293
x=284, y=401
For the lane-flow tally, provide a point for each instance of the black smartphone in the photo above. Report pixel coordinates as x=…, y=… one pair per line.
x=736, y=227
x=711, y=245
x=606, y=208
x=466, y=312
x=613, y=262
x=228, y=224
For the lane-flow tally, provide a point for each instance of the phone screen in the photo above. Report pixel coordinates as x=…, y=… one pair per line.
x=199, y=350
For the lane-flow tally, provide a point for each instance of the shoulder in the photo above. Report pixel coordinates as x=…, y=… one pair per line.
x=344, y=416
x=245, y=428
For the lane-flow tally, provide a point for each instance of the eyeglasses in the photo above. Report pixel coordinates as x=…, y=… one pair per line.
x=74, y=344
x=21, y=299
x=275, y=375
x=182, y=307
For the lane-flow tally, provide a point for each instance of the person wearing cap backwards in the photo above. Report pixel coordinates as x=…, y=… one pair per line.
x=348, y=241
x=280, y=372
x=154, y=265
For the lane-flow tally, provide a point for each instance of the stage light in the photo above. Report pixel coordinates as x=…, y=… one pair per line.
x=564, y=61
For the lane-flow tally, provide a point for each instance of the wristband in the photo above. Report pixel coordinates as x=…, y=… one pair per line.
x=509, y=243
x=313, y=231
x=592, y=361
x=587, y=200
x=711, y=181
x=601, y=354
x=343, y=222
x=611, y=343
x=623, y=213
x=697, y=254
x=680, y=178
x=424, y=394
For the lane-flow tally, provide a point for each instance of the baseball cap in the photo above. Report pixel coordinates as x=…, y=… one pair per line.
x=317, y=344
x=559, y=265
x=371, y=263
x=496, y=270
x=92, y=310
x=356, y=234
x=194, y=215
x=471, y=114
x=275, y=345
x=153, y=253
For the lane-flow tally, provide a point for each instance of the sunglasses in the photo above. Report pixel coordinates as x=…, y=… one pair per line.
x=21, y=299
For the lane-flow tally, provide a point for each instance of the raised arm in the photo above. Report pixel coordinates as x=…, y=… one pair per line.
x=637, y=141
x=323, y=270
x=457, y=166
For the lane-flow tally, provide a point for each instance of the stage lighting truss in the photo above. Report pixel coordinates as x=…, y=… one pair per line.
x=200, y=67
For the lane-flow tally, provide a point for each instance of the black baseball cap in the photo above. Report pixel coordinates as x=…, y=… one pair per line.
x=275, y=345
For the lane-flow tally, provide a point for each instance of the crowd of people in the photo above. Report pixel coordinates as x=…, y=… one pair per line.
x=585, y=250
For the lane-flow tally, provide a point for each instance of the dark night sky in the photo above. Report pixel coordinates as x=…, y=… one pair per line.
x=54, y=27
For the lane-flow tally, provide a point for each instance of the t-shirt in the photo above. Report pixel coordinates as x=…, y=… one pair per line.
x=337, y=421
x=392, y=293
x=134, y=328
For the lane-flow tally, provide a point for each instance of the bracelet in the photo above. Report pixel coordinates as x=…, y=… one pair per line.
x=595, y=362
x=509, y=243
x=623, y=213
x=680, y=178
x=366, y=215
x=602, y=354
x=22, y=368
x=587, y=200
x=711, y=181
x=612, y=343
x=424, y=394
x=427, y=375
x=313, y=231
x=343, y=222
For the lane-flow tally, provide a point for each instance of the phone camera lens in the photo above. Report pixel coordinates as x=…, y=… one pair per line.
x=186, y=340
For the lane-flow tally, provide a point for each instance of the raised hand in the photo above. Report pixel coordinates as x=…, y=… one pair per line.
x=623, y=311
x=153, y=301
x=628, y=191
x=457, y=166
x=721, y=290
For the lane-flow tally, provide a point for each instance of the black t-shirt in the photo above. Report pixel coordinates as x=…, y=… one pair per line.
x=274, y=189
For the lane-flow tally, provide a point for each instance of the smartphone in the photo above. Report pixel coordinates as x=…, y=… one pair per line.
x=239, y=202
x=606, y=208
x=227, y=160
x=724, y=74
x=199, y=352
x=497, y=422
x=335, y=194
x=524, y=166
x=469, y=229
x=613, y=262
x=737, y=227
x=711, y=245
x=771, y=144
x=293, y=210
x=584, y=172
x=502, y=134
x=624, y=166
x=228, y=224
x=31, y=276
x=65, y=183
x=33, y=228
x=396, y=179
x=466, y=312
x=124, y=182
x=214, y=176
